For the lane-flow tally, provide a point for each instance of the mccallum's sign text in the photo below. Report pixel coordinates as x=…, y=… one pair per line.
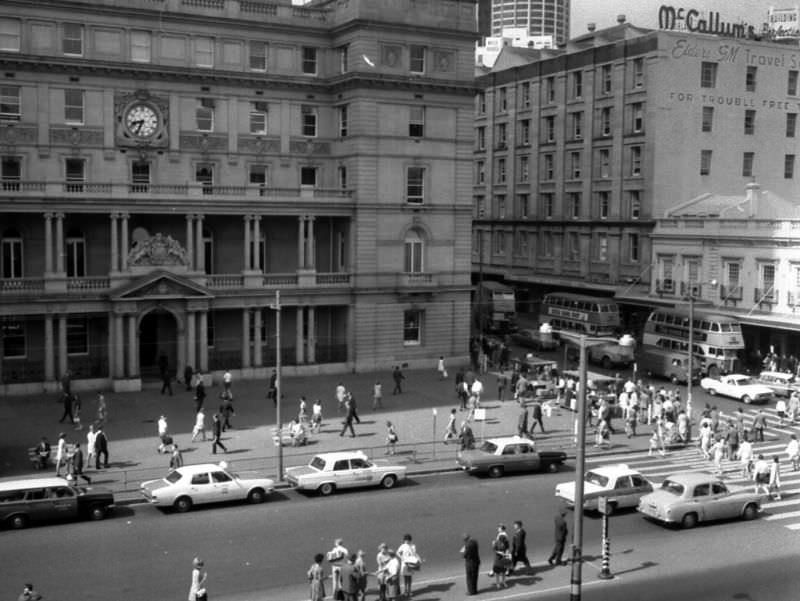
x=669, y=18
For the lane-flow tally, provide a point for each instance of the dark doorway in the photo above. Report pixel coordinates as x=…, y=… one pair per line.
x=158, y=335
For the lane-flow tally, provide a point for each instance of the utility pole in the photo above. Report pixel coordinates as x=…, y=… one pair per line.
x=580, y=465
x=277, y=308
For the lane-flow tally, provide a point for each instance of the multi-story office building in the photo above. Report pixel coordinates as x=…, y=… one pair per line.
x=540, y=18
x=167, y=166
x=579, y=151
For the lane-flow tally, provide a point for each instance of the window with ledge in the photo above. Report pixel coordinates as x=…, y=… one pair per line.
x=75, y=245
x=413, y=251
x=343, y=52
x=500, y=136
x=791, y=84
x=501, y=171
x=637, y=117
x=791, y=124
x=550, y=90
x=636, y=161
x=766, y=283
x=11, y=251
x=576, y=84
x=415, y=185
x=705, y=162
x=416, y=62
x=605, y=79
x=788, y=166
x=749, y=122
x=500, y=204
x=72, y=39
x=10, y=35
x=522, y=244
x=499, y=242
x=10, y=173
x=10, y=104
x=480, y=172
x=140, y=176
x=603, y=204
x=547, y=245
x=141, y=46
x=73, y=107
x=633, y=248
x=638, y=73
x=575, y=164
x=308, y=177
x=257, y=55
x=601, y=247
x=574, y=200
x=525, y=132
x=502, y=100
x=343, y=121
x=576, y=125
x=750, y=79
x=731, y=280
x=708, y=74
x=634, y=203
x=258, y=118
x=666, y=276
x=341, y=172
x=309, y=54
x=547, y=202
x=573, y=246
x=309, y=120
x=522, y=205
x=416, y=121
x=204, y=175
x=204, y=114
x=604, y=162
x=707, y=122
x=549, y=128
x=525, y=94
x=75, y=172
x=480, y=103
x=605, y=121
x=204, y=52
x=412, y=327
x=747, y=164
x=14, y=339
x=258, y=175
x=548, y=172
x=524, y=169
x=480, y=134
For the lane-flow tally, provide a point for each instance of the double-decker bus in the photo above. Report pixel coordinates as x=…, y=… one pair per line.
x=717, y=338
x=497, y=306
x=590, y=315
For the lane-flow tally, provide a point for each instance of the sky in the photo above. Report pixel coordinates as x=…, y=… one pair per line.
x=644, y=13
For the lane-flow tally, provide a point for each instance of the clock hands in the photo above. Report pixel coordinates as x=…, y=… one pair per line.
x=139, y=124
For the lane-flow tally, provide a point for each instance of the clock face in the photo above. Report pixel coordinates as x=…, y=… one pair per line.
x=142, y=121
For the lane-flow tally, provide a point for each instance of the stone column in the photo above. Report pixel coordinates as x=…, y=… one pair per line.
x=48, y=244
x=300, y=343
x=189, y=242
x=202, y=326
x=351, y=334
x=62, y=345
x=312, y=336
x=200, y=250
x=310, y=250
x=49, y=351
x=132, y=354
x=258, y=359
x=110, y=346
x=247, y=243
x=257, y=243
x=119, y=347
x=60, y=243
x=114, y=244
x=126, y=246
x=245, y=337
x=191, y=340
x=301, y=244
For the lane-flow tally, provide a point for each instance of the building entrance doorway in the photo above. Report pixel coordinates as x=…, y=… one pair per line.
x=158, y=337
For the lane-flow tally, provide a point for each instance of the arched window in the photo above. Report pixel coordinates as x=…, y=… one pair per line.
x=11, y=253
x=75, y=253
x=414, y=248
x=208, y=250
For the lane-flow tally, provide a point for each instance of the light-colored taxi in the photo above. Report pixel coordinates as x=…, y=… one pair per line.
x=192, y=485
x=328, y=472
x=781, y=383
x=499, y=456
x=738, y=386
x=619, y=484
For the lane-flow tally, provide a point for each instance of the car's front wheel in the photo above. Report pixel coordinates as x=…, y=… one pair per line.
x=326, y=489
x=689, y=521
x=97, y=512
x=746, y=399
x=553, y=467
x=183, y=504
x=257, y=495
x=496, y=471
x=712, y=391
x=18, y=522
x=389, y=481
x=750, y=512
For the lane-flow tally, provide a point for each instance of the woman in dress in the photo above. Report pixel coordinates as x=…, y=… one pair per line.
x=500, y=546
x=360, y=566
x=390, y=575
x=197, y=591
x=316, y=578
x=409, y=562
x=382, y=559
x=391, y=439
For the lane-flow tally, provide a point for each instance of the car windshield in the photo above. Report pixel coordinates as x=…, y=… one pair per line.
x=489, y=447
x=173, y=476
x=670, y=486
x=318, y=463
x=595, y=478
x=743, y=381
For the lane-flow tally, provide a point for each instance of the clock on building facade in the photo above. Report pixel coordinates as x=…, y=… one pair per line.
x=142, y=120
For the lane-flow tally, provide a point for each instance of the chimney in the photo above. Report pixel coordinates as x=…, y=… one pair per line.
x=620, y=19
x=591, y=26
x=752, y=192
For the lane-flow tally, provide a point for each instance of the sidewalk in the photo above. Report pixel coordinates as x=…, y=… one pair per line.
x=420, y=415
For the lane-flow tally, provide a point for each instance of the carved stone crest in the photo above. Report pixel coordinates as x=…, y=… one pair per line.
x=157, y=250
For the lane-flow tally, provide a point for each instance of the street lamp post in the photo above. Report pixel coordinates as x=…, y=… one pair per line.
x=690, y=362
x=580, y=465
x=277, y=309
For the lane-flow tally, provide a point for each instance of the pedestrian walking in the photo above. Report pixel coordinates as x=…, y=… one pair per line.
x=187, y=377
x=466, y=437
x=66, y=401
x=29, y=594
x=43, y=453
x=391, y=439
x=560, y=538
x=476, y=390
x=199, y=425
x=176, y=459
x=377, y=396
x=226, y=409
x=349, y=579
x=775, y=478
x=780, y=409
x=76, y=412
x=348, y=420
x=450, y=432
x=199, y=392
x=463, y=394
x=162, y=434
x=316, y=416
x=316, y=578
x=657, y=439
x=502, y=385
x=745, y=455
x=197, y=590
x=410, y=562
x=166, y=378
x=272, y=389
x=227, y=380
x=337, y=557
x=216, y=441
x=341, y=395
x=441, y=369
x=759, y=425
x=502, y=557
x=761, y=475
x=351, y=401
x=381, y=559
x=718, y=454
x=360, y=567
x=536, y=416
x=77, y=464
x=398, y=378
x=102, y=409
x=100, y=448
x=472, y=563
x=704, y=439
x=61, y=450
x=91, y=436
x=793, y=451
x=392, y=576
x=732, y=440
x=519, y=548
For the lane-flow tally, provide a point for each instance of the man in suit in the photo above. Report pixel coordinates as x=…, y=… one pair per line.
x=560, y=538
x=101, y=448
x=472, y=563
x=77, y=465
x=519, y=549
x=349, y=579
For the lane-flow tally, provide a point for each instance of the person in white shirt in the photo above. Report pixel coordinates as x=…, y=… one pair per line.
x=91, y=435
x=162, y=433
x=337, y=557
x=793, y=451
x=409, y=561
x=60, y=452
x=745, y=453
x=199, y=425
x=227, y=380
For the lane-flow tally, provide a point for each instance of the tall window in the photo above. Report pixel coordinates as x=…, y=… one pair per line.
x=415, y=185
x=502, y=100
x=140, y=176
x=575, y=164
x=548, y=173
x=636, y=161
x=500, y=135
x=481, y=138
x=605, y=79
x=341, y=171
x=574, y=199
x=766, y=282
x=11, y=250
x=480, y=103
x=416, y=121
x=576, y=78
x=412, y=327
x=788, y=166
x=666, y=266
x=72, y=39
x=604, y=162
x=550, y=90
x=204, y=52
x=791, y=85
x=549, y=129
x=75, y=253
x=501, y=171
x=13, y=338
x=204, y=114
x=573, y=246
x=259, y=176
x=499, y=242
x=10, y=105
x=524, y=169
x=603, y=203
x=576, y=119
x=791, y=124
x=547, y=202
x=343, y=121
x=309, y=60
x=633, y=248
x=732, y=283
x=500, y=203
x=141, y=46
x=417, y=59
x=525, y=132
x=634, y=203
x=413, y=253
x=708, y=119
x=522, y=205
x=10, y=173
x=705, y=162
x=343, y=56
x=204, y=175
x=708, y=75
x=258, y=118
x=601, y=247
x=10, y=35
x=638, y=72
x=605, y=121
x=257, y=57
x=749, y=122
x=525, y=93
x=73, y=107
x=747, y=164
x=750, y=79
x=308, y=176
x=480, y=172
x=309, y=118
x=75, y=172
x=637, y=117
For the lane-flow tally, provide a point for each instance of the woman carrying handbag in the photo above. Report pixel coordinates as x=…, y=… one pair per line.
x=197, y=592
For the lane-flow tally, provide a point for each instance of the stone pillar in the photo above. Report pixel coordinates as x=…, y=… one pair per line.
x=301, y=244
x=62, y=345
x=300, y=343
x=49, y=350
x=245, y=337
x=132, y=368
x=200, y=250
x=114, y=244
x=312, y=336
x=48, y=244
x=119, y=347
x=189, y=243
x=191, y=340
x=310, y=250
x=247, y=244
x=126, y=246
x=110, y=346
x=59, y=243
x=258, y=359
x=257, y=243
x=202, y=326
x=351, y=334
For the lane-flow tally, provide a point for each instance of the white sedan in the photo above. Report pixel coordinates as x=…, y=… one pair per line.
x=192, y=485
x=619, y=484
x=346, y=469
x=738, y=386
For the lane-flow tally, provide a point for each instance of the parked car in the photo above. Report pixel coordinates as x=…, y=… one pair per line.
x=49, y=499
x=535, y=339
x=781, y=383
x=688, y=498
x=192, y=485
x=621, y=485
x=738, y=386
x=345, y=469
x=499, y=456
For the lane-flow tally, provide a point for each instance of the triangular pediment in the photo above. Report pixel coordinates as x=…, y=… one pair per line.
x=160, y=284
